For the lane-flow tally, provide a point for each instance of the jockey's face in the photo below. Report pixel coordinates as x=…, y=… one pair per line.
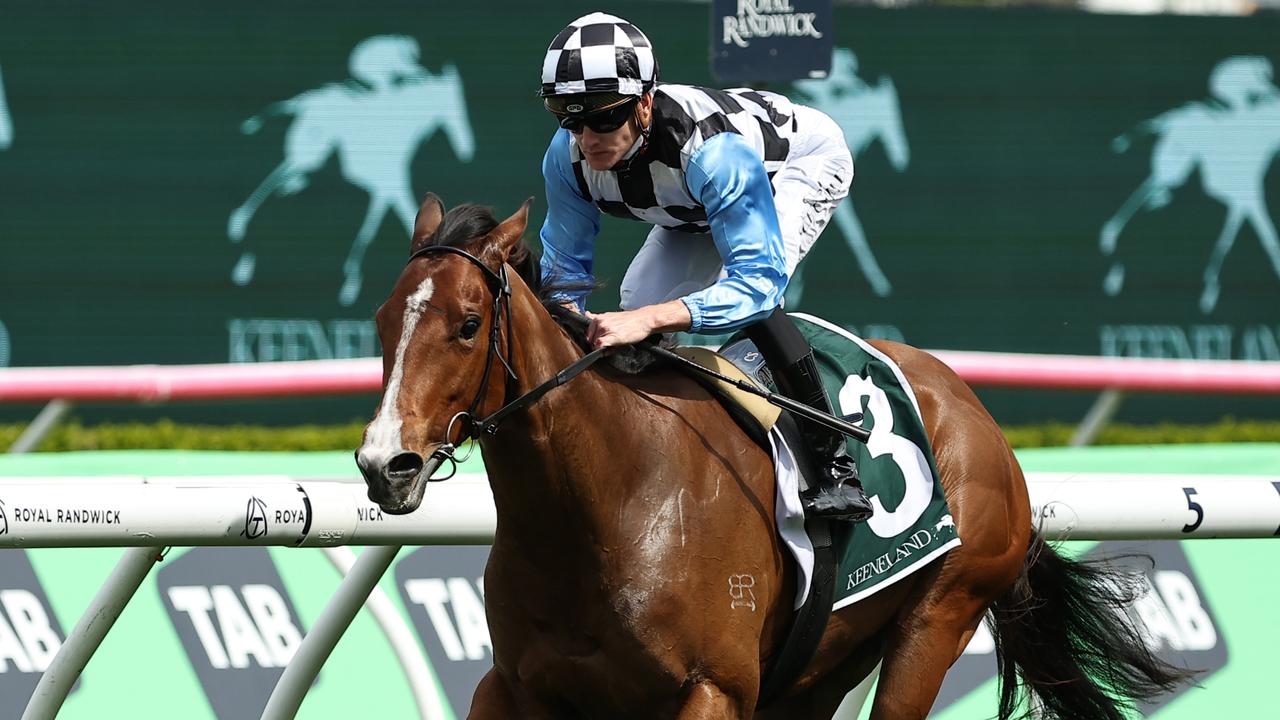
x=603, y=150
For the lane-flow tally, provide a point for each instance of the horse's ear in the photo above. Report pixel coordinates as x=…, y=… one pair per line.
x=502, y=239
x=429, y=216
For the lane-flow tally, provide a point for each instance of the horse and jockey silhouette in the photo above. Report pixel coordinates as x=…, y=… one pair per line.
x=6, y=123
x=375, y=123
x=1232, y=140
x=866, y=113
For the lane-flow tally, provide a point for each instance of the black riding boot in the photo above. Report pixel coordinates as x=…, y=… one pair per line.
x=839, y=494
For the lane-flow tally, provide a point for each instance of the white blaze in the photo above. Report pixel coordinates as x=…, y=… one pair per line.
x=383, y=439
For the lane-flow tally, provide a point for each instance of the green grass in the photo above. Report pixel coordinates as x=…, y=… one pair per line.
x=1226, y=430
x=168, y=435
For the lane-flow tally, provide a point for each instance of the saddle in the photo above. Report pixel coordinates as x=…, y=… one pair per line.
x=754, y=413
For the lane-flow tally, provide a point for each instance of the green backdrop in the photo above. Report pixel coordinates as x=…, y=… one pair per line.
x=129, y=155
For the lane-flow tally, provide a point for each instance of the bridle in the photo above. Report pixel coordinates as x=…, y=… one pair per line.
x=474, y=428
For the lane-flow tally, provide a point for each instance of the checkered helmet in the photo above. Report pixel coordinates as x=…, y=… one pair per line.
x=599, y=53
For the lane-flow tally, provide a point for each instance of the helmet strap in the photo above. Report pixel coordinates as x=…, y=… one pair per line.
x=643, y=128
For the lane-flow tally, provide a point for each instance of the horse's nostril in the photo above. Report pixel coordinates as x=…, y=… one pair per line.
x=404, y=465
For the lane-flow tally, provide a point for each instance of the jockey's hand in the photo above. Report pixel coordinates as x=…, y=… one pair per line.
x=631, y=326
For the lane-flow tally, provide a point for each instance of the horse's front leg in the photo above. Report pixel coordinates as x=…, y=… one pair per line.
x=707, y=701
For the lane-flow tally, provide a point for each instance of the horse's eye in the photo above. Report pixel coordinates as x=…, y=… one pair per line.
x=470, y=327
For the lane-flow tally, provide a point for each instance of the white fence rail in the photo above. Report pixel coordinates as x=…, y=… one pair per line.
x=149, y=514
x=223, y=511
x=137, y=512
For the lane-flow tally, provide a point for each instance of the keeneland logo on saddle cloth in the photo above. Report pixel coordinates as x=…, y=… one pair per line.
x=866, y=113
x=1232, y=140
x=374, y=122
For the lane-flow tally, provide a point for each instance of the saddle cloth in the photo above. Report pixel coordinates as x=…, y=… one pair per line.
x=911, y=525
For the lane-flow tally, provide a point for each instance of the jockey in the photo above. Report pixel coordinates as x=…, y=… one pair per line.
x=737, y=184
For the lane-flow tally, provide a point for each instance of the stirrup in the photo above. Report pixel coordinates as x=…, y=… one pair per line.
x=845, y=503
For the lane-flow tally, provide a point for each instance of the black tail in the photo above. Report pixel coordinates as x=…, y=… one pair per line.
x=1062, y=630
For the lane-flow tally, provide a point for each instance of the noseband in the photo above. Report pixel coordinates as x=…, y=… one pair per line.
x=472, y=427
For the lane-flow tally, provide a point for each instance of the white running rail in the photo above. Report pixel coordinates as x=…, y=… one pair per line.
x=147, y=514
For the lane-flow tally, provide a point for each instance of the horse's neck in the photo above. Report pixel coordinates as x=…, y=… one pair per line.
x=570, y=472
x=537, y=459
x=540, y=349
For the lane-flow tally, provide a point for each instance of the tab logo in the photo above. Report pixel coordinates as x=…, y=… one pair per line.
x=1172, y=614
x=241, y=626
x=236, y=622
x=443, y=590
x=29, y=632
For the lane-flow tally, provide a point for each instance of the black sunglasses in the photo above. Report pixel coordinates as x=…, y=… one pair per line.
x=603, y=121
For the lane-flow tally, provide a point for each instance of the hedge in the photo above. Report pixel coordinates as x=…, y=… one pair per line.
x=166, y=434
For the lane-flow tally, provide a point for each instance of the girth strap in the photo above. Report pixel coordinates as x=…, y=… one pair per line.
x=809, y=622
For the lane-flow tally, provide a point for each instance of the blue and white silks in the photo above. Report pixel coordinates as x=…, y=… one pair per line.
x=727, y=177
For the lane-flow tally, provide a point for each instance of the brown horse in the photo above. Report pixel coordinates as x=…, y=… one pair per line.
x=626, y=501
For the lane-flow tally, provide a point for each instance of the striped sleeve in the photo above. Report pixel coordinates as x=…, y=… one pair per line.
x=729, y=179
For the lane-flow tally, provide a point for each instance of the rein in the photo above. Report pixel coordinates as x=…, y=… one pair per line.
x=474, y=428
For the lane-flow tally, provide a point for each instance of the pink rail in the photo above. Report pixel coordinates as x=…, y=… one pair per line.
x=162, y=383
x=1078, y=372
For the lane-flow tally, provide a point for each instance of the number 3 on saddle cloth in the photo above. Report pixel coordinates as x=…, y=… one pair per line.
x=911, y=524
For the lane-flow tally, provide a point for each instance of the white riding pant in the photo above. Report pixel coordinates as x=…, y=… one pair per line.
x=806, y=192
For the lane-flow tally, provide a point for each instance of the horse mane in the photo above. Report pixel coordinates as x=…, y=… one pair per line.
x=469, y=221
x=463, y=224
